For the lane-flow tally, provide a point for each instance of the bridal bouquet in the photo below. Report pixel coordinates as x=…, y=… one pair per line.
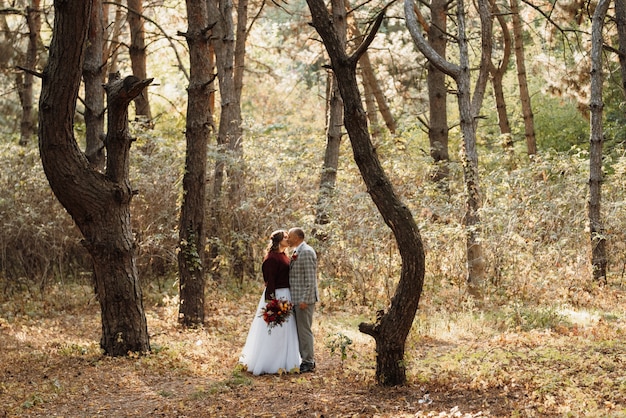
x=276, y=312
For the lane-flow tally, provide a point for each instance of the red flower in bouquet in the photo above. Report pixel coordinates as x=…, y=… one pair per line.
x=276, y=312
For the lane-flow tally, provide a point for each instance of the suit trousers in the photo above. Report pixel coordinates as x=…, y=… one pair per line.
x=304, y=320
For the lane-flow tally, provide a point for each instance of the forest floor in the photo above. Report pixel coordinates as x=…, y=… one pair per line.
x=51, y=366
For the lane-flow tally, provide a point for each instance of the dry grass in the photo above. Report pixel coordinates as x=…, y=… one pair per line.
x=463, y=364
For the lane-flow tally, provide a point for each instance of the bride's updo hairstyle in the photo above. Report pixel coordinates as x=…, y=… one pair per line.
x=275, y=239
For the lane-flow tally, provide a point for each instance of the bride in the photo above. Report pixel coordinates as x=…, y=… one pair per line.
x=275, y=352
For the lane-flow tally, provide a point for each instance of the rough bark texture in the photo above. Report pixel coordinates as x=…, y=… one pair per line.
x=527, y=112
x=334, y=126
x=25, y=81
x=137, y=53
x=596, y=139
x=192, y=231
x=438, y=94
x=98, y=203
x=93, y=76
x=497, y=74
x=469, y=106
x=392, y=328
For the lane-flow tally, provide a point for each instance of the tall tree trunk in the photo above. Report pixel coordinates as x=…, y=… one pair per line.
x=192, y=231
x=230, y=136
x=93, y=77
x=596, y=139
x=527, y=111
x=620, y=20
x=497, y=74
x=25, y=82
x=112, y=47
x=98, y=203
x=392, y=328
x=334, y=125
x=438, y=95
x=469, y=106
x=137, y=53
x=370, y=82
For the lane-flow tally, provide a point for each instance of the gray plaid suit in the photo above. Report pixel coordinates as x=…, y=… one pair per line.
x=303, y=288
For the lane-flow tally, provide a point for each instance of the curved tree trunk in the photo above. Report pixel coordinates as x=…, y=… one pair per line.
x=98, y=203
x=192, y=231
x=469, y=107
x=392, y=328
x=596, y=139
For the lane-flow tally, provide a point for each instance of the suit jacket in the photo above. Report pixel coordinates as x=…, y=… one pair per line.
x=303, y=275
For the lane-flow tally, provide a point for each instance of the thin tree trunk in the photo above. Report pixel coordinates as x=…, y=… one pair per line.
x=25, y=82
x=497, y=74
x=370, y=80
x=192, y=231
x=137, y=53
x=468, y=111
x=98, y=203
x=620, y=20
x=93, y=77
x=527, y=111
x=334, y=125
x=596, y=139
x=438, y=95
x=392, y=328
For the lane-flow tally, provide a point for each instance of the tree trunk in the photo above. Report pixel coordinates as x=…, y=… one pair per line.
x=370, y=82
x=93, y=77
x=527, y=111
x=334, y=125
x=468, y=112
x=192, y=232
x=392, y=328
x=137, y=53
x=98, y=203
x=497, y=74
x=620, y=20
x=229, y=137
x=25, y=82
x=438, y=95
x=596, y=139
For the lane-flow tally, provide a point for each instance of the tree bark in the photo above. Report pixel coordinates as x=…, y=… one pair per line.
x=137, y=53
x=334, y=126
x=93, y=76
x=596, y=139
x=527, y=111
x=620, y=20
x=438, y=95
x=192, y=231
x=229, y=138
x=98, y=203
x=469, y=108
x=25, y=82
x=392, y=328
x=497, y=74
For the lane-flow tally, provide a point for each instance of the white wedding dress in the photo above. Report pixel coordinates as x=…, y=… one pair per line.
x=273, y=352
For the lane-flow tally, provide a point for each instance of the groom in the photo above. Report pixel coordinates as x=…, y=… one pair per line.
x=304, y=293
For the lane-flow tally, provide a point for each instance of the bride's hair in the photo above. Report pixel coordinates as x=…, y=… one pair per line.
x=275, y=239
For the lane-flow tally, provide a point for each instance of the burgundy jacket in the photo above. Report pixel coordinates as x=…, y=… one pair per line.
x=275, y=272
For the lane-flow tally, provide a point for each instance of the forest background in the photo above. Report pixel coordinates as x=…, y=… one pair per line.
x=545, y=341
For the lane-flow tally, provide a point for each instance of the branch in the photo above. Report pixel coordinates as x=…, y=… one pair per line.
x=29, y=71
x=370, y=36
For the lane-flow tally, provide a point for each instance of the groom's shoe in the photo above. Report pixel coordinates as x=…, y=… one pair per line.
x=307, y=367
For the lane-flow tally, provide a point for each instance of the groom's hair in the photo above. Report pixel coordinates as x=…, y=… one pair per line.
x=298, y=231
